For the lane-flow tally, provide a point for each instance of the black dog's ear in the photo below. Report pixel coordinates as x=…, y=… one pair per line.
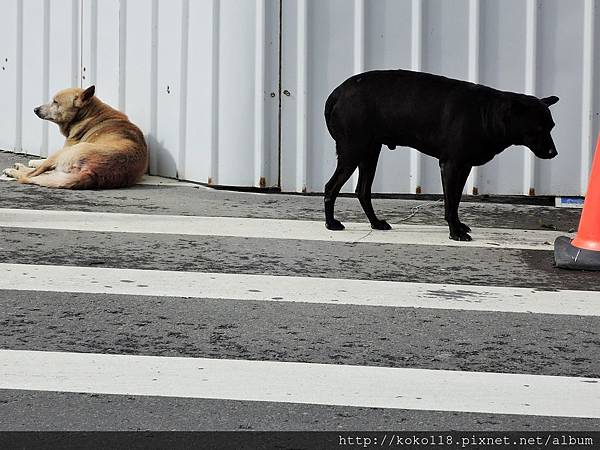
x=549, y=101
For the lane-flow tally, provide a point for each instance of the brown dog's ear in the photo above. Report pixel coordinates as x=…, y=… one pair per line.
x=549, y=101
x=85, y=96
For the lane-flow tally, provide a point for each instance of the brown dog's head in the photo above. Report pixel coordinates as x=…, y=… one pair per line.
x=65, y=105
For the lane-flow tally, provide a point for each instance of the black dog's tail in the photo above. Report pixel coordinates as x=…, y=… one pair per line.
x=329, y=106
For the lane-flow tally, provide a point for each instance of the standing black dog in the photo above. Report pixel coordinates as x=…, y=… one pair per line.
x=460, y=123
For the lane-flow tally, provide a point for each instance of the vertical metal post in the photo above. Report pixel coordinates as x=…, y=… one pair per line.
x=154, y=87
x=473, y=67
x=92, y=16
x=301, y=131
x=358, y=53
x=259, y=94
x=183, y=82
x=214, y=147
x=416, y=64
x=530, y=85
x=587, y=92
x=46, y=76
x=19, y=86
x=76, y=44
x=122, y=53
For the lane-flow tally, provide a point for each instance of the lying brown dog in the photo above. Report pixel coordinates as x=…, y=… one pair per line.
x=103, y=148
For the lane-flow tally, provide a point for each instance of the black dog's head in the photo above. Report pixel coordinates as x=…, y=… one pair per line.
x=531, y=123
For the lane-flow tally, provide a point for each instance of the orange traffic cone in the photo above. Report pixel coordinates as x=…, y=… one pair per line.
x=583, y=252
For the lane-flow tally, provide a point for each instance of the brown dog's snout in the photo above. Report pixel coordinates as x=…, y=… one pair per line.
x=37, y=111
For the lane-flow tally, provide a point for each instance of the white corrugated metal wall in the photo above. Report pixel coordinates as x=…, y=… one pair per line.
x=196, y=76
x=545, y=47
x=204, y=79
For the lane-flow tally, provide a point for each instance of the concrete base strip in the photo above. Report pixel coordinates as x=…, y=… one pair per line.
x=296, y=289
x=270, y=229
x=151, y=180
x=287, y=382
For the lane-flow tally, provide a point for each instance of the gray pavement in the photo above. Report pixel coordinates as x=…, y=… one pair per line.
x=202, y=201
x=98, y=412
x=538, y=344
x=413, y=263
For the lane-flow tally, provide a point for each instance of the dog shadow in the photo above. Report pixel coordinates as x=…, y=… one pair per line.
x=160, y=159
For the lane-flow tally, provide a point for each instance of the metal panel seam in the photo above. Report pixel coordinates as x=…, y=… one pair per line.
x=587, y=140
x=154, y=85
x=46, y=76
x=530, y=86
x=473, y=68
x=215, y=48
x=122, y=53
x=358, y=53
x=259, y=94
x=301, y=110
x=19, y=86
x=416, y=55
x=181, y=152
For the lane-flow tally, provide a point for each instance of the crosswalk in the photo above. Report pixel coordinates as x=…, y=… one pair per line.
x=556, y=376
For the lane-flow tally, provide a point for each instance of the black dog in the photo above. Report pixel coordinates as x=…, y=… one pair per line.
x=460, y=123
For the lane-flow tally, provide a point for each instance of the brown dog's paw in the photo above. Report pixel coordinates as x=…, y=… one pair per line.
x=10, y=172
x=22, y=168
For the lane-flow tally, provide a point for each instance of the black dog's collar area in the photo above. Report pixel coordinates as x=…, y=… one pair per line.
x=567, y=256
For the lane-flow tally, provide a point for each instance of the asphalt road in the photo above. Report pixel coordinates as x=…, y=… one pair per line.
x=438, y=339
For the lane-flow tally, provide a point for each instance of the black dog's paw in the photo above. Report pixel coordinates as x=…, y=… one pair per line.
x=460, y=236
x=381, y=225
x=334, y=225
x=465, y=228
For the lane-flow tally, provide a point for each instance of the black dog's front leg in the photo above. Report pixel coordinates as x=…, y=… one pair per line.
x=454, y=177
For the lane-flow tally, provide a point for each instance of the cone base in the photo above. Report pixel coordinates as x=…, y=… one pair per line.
x=567, y=256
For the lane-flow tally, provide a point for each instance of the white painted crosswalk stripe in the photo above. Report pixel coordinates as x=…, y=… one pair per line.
x=270, y=229
x=297, y=289
x=288, y=382
x=293, y=382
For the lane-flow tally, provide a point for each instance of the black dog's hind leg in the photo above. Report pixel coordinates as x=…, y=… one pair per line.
x=366, y=174
x=345, y=167
x=454, y=177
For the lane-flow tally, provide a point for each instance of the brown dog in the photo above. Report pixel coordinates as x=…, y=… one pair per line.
x=103, y=148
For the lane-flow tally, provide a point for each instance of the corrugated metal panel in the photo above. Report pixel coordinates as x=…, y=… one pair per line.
x=540, y=47
x=197, y=77
x=202, y=79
